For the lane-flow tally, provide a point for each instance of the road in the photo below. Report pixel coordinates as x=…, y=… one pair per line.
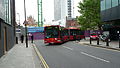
x=74, y=55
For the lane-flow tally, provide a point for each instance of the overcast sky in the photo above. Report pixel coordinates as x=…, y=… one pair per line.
x=31, y=9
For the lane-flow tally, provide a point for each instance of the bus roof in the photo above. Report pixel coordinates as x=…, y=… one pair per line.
x=51, y=25
x=72, y=28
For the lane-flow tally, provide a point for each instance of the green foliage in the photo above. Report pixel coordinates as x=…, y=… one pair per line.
x=90, y=14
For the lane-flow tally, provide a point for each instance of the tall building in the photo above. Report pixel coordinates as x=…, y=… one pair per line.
x=7, y=25
x=63, y=9
x=110, y=13
x=60, y=11
x=70, y=8
x=57, y=10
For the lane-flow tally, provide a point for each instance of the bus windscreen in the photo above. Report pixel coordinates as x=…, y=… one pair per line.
x=51, y=32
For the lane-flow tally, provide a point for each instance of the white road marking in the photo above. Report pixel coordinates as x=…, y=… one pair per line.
x=68, y=48
x=95, y=57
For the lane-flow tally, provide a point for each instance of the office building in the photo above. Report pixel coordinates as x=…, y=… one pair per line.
x=110, y=14
x=60, y=11
x=110, y=10
x=7, y=25
x=57, y=10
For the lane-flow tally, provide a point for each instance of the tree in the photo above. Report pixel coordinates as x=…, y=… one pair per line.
x=90, y=14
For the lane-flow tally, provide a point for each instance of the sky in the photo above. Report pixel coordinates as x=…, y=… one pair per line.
x=31, y=9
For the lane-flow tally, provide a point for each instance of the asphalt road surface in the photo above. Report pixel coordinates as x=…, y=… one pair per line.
x=74, y=55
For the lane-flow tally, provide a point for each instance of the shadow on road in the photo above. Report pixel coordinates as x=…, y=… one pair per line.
x=54, y=44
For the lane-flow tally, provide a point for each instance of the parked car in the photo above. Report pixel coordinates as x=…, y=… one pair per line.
x=94, y=36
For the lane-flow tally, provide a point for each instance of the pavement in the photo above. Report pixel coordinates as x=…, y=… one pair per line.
x=20, y=57
x=114, y=45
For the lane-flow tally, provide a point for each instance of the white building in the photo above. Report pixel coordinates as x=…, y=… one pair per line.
x=63, y=8
x=60, y=11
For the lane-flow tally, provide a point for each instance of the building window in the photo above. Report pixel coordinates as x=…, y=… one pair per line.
x=108, y=4
x=114, y=3
x=102, y=5
x=2, y=11
x=7, y=11
x=119, y=2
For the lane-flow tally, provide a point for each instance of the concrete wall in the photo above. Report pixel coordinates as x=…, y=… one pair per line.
x=7, y=29
x=9, y=37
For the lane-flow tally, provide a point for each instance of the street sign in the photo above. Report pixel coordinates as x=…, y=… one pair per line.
x=18, y=30
x=35, y=29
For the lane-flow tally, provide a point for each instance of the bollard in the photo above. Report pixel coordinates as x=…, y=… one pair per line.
x=90, y=41
x=16, y=40
x=107, y=42
x=119, y=40
x=97, y=41
x=119, y=37
x=119, y=43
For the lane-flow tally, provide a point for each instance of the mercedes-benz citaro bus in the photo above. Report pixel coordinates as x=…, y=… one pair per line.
x=75, y=33
x=53, y=34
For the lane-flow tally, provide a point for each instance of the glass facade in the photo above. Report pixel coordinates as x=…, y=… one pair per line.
x=110, y=10
x=5, y=11
x=2, y=10
x=108, y=4
x=103, y=5
x=114, y=3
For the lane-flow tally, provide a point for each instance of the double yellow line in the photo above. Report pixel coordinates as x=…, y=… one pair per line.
x=40, y=57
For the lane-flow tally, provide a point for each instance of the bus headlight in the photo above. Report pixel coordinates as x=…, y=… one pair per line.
x=55, y=38
x=58, y=40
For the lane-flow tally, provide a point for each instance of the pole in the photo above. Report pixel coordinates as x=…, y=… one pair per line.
x=26, y=40
x=38, y=13
x=98, y=41
x=98, y=38
x=41, y=15
x=19, y=23
x=90, y=41
x=119, y=37
x=107, y=42
x=119, y=40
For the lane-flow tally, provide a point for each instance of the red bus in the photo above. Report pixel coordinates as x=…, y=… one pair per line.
x=65, y=35
x=80, y=35
x=53, y=34
x=75, y=33
x=72, y=33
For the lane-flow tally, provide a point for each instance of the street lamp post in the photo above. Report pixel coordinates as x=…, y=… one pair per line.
x=18, y=27
x=25, y=22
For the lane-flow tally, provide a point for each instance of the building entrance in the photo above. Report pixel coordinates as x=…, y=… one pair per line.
x=5, y=40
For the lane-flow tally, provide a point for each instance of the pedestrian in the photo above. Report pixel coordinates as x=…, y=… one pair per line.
x=32, y=38
x=22, y=38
